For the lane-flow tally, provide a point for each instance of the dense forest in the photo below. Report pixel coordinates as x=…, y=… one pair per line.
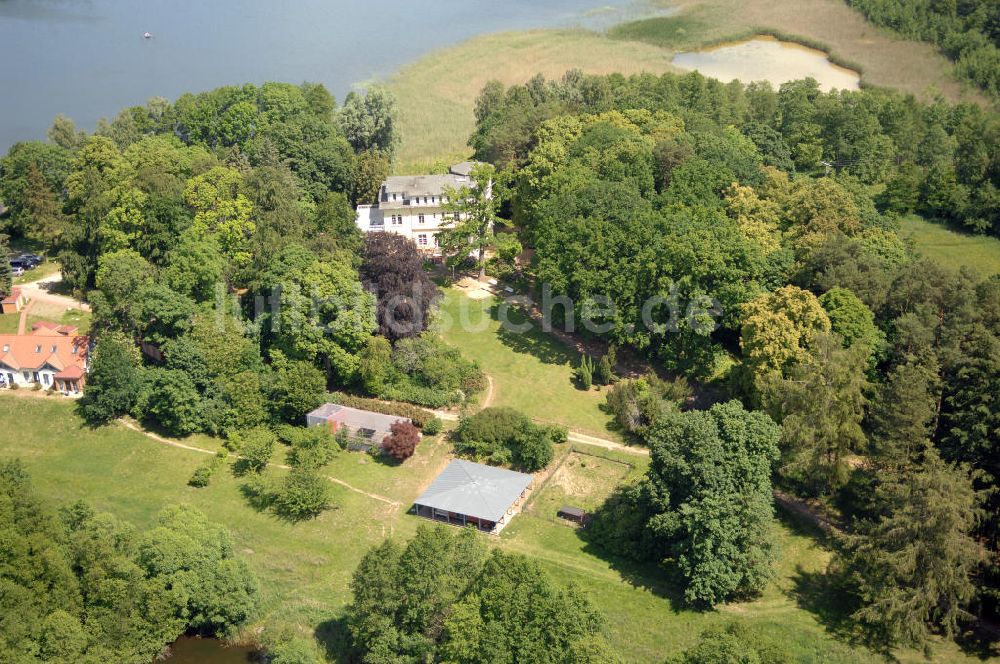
x=967, y=31
x=82, y=586
x=731, y=256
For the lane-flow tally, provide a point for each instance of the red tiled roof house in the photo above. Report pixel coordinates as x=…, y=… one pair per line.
x=12, y=303
x=51, y=355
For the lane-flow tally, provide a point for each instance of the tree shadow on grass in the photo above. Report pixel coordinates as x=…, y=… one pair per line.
x=644, y=575
x=335, y=638
x=979, y=641
x=533, y=342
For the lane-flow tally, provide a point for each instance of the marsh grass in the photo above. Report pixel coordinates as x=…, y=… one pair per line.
x=437, y=93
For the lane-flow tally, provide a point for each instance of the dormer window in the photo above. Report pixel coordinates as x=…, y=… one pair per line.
x=53, y=348
x=6, y=348
x=38, y=349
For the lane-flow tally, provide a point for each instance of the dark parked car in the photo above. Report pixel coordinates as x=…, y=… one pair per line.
x=26, y=261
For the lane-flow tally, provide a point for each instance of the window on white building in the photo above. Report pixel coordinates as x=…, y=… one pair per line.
x=420, y=219
x=422, y=240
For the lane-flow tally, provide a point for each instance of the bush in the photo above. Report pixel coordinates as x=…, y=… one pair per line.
x=255, y=447
x=302, y=495
x=427, y=371
x=638, y=403
x=433, y=426
x=312, y=447
x=419, y=416
x=203, y=474
x=503, y=435
x=402, y=442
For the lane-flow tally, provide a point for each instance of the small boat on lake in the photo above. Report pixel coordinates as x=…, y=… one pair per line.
x=147, y=35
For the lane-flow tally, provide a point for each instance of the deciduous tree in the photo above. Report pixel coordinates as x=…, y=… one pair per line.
x=710, y=481
x=393, y=269
x=402, y=442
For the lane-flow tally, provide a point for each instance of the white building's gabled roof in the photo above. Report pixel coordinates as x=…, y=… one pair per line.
x=474, y=489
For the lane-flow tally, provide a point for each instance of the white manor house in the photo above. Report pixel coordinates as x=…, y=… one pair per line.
x=411, y=205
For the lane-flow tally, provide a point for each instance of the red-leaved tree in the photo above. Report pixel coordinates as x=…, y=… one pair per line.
x=402, y=442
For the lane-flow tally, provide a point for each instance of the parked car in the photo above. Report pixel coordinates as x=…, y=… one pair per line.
x=18, y=264
x=29, y=261
x=17, y=270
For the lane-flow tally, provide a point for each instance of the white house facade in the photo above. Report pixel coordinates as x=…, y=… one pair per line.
x=412, y=206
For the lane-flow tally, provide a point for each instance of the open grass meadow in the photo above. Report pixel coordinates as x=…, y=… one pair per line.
x=980, y=253
x=305, y=568
x=532, y=372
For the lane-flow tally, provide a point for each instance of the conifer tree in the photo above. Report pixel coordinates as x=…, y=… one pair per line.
x=821, y=406
x=603, y=374
x=585, y=372
x=6, y=274
x=904, y=413
x=911, y=568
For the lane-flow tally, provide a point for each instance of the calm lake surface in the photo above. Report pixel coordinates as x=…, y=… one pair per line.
x=768, y=59
x=88, y=58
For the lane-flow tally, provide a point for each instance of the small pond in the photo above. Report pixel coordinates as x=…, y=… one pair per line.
x=193, y=650
x=768, y=59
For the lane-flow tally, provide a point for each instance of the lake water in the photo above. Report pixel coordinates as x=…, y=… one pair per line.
x=768, y=59
x=88, y=58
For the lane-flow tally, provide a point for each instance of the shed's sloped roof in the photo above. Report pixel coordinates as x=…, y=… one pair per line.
x=355, y=417
x=475, y=490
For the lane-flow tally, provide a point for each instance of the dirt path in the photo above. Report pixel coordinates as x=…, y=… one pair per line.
x=587, y=439
x=22, y=322
x=173, y=443
x=41, y=291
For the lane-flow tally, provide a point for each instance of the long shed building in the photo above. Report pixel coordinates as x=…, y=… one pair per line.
x=472, y=494
x=366, y=429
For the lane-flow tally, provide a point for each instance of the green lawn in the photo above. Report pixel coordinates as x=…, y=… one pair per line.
x=8, y=323
x=531, y=372
x=980, y=253
x=304, y=568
